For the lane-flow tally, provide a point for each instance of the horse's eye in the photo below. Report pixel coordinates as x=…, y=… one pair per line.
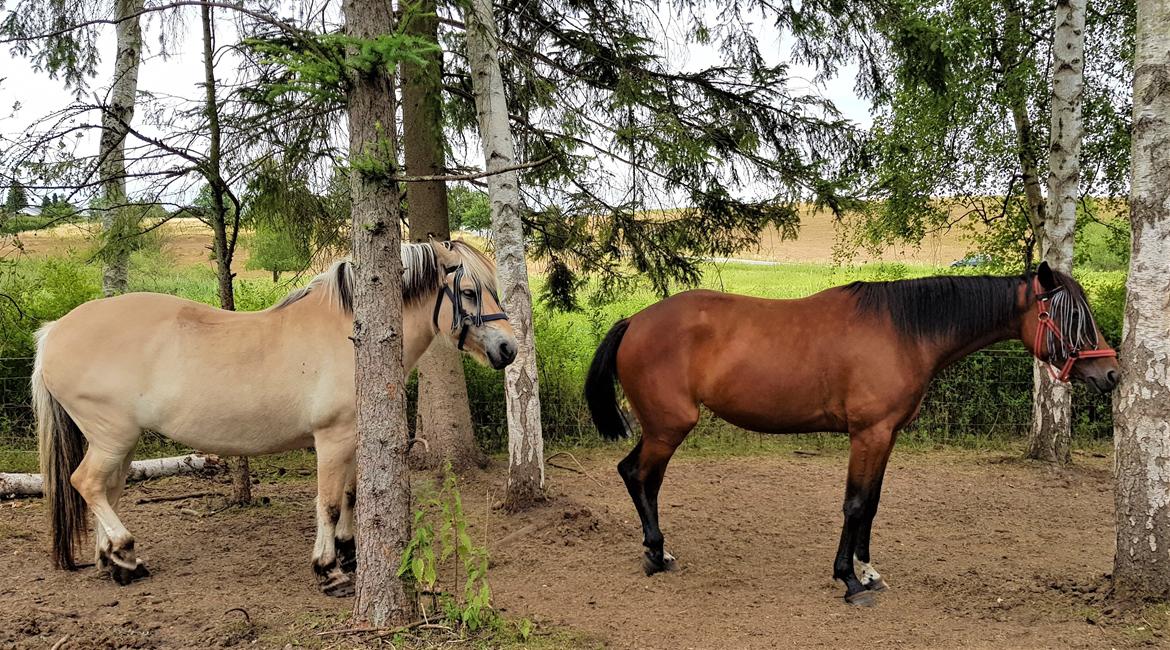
x=468, y=293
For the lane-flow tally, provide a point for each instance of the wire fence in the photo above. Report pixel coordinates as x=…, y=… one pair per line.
x=986, y=396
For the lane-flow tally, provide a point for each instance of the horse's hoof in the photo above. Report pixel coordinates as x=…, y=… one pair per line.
x=862, y=599
x=337, y=585
x=124, y=576
x=876, y=586
x=652, y=565
x=346, y=555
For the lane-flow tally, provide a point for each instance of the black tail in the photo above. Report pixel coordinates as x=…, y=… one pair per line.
x=599, y=385
x=61, y=447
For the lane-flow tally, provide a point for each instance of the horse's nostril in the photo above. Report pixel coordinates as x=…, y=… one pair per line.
x=1113, y=378
x=507, y=351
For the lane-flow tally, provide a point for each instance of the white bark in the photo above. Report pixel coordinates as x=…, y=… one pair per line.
x=525, y=439
x=32, y=485
x=1052, y=400
x=383, y=510
x=116, y=120
x=1142, y=404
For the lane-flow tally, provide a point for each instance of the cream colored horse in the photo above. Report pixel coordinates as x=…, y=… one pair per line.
x=234, y=383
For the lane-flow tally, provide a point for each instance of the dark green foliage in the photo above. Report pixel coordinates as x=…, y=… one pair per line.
x=276, y=250
x=469, y=208
x=654, y=168
x=291, y=221
x=945, y=148
x=17, y=198
x=71, y=54
x=318, y=67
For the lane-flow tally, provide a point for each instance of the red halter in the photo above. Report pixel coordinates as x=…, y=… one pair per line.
x=1044, y=322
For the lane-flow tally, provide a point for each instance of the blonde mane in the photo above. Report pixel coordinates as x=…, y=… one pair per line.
x=421, y=276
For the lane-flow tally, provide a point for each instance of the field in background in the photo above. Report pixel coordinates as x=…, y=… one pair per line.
x=188, y=242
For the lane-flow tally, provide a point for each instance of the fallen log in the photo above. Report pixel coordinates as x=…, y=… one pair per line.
x=30, y=485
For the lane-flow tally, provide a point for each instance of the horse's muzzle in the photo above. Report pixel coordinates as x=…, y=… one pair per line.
x=502, y=355
x=1106, y=384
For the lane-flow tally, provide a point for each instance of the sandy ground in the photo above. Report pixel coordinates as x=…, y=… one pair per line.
x=981, y=551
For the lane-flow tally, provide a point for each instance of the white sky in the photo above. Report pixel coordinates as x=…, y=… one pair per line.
x=181, y=73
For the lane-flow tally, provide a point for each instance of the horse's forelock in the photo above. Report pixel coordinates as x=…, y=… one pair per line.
x=480, y=267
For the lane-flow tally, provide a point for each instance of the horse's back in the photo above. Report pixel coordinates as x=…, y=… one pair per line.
x=225, y=382
x=766, y=365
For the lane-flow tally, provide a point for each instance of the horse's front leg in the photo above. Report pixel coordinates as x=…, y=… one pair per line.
x=344, y=532
x=869, y=450
x=335, y=457
x=869, y=576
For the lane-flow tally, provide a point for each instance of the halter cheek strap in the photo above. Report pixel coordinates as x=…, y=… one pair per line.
x=1045, y=325
x=459, y=315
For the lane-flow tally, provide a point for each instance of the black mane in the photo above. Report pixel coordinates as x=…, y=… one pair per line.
x=945, y=306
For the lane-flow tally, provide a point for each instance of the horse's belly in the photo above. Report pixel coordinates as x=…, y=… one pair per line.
x=777, y=420
x=234, y=431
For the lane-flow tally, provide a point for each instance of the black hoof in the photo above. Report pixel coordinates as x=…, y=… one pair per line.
x=658, y=562
x=124, y=576
x=862, y=599
x=876, y=586
x=337, y=584
x=346, y=555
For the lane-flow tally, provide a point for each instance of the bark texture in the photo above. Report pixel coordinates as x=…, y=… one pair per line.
x=224, y=244
x=525, y=439
x=1142, y=404
x=383, y=510
x=444, y=416
x=116, y=120
x=1051, y=436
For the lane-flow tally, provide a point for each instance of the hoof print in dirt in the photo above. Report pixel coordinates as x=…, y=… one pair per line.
x=862, y=599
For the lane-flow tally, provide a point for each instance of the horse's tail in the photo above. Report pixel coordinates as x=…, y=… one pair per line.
x=61, y=449
x=600, y=393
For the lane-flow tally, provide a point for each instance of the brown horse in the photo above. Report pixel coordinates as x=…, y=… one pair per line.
x=855, y=359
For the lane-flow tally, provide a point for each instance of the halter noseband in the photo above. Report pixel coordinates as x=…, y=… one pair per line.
x=459, y=315
x=1045, y=323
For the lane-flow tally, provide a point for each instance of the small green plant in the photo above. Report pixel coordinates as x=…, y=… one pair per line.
x=439, y=522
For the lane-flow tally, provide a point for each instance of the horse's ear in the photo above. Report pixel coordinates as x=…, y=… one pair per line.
x=1047, y=277
x=445, y=254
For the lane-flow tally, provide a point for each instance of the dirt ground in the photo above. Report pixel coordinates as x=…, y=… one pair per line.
x=981, y=551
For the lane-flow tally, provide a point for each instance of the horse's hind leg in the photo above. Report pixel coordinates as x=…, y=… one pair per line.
x=100, y=479
x=642, y=470
x=117, y=485
x=335, y=457
x=869, y=450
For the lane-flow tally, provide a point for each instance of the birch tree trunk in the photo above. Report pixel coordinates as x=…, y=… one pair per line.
x=118, y=219
x=525, y=440
x=1141, y=568
x=1051, y=436
x=383, y=511
x=444, y=416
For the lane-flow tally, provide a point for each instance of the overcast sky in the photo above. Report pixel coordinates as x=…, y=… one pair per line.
x=180, y=74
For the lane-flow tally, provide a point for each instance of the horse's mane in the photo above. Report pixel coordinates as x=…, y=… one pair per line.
x=421, y=276
x=946, y=306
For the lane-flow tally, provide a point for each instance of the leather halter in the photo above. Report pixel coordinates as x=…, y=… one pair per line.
x=459, y=315
x=1045, y=323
